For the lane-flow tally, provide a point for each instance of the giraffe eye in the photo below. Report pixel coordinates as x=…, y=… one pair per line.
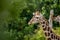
x=37, y=17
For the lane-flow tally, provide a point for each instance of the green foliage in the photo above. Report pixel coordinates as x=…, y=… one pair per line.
x=15, y=14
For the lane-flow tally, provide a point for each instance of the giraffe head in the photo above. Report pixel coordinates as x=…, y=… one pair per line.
x=35, y=18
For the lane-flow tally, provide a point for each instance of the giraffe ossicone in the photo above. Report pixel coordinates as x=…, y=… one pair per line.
x=39, y=18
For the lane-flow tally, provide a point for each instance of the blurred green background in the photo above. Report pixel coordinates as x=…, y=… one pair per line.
x=15, y=14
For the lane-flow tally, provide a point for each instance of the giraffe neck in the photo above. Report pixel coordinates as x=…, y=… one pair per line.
x=49, y=34
x=51, y=21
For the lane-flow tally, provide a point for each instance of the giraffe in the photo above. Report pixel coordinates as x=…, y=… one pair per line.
x=51, y=18
x=39, y=18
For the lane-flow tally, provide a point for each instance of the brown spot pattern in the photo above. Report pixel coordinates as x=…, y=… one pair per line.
x=52, y=36
x=48, y=38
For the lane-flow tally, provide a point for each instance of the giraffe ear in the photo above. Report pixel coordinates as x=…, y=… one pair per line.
x=33, y=13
